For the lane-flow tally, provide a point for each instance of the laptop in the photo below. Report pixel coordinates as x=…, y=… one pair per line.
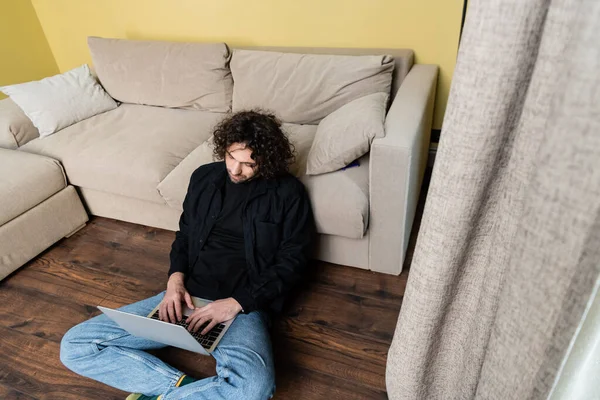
x=177, y=335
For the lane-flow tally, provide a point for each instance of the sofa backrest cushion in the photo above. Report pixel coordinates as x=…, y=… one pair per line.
x=165, y=74
x=346, y=134
x=305, y=88
x=404, y=59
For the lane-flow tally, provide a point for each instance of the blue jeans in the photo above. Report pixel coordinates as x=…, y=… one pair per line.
x=99, y=349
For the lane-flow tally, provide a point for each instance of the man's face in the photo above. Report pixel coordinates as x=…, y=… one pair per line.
x=240, y=165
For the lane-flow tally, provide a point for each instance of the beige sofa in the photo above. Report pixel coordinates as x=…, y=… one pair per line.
x=38, y=207
x=133, y=163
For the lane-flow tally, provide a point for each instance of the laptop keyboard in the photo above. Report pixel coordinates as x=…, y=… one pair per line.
x=205, y=340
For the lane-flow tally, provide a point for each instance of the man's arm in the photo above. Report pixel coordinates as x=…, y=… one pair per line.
x=176, y=294
x=179, y=255
x=170, y=306
x=291, y=259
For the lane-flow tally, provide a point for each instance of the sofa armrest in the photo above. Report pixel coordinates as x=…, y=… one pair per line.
x=15, y=128
x=397, y=166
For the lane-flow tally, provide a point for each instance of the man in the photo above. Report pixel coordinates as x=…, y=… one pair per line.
x=243, y=241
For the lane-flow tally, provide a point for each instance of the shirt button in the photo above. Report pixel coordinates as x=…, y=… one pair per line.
x=200, y=241
x=213, y=217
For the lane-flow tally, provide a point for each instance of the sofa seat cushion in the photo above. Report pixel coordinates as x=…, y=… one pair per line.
x=340, y=200
x=26, y=181
x=129, y=150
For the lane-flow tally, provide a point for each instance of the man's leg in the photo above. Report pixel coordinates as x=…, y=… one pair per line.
x=99, y=349
x=245, y=367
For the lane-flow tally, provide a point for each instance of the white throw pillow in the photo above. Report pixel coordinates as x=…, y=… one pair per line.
x=346, y=134
x=61, y=100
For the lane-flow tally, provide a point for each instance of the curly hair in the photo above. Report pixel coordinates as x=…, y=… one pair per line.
x=261, y=132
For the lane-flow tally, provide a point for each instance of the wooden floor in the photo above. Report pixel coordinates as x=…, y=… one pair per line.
x=331, y=343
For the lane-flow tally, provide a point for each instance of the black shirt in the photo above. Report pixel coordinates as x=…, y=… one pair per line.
x=221, y=265
x=278, y=228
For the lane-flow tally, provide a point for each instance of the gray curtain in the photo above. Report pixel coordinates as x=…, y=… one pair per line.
x=509, y=247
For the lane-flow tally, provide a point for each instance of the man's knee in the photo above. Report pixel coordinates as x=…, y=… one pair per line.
x=259, y=384
x=73, y=347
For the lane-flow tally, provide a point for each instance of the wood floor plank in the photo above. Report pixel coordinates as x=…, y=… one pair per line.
x=298, y=383
x=125, y=261
x=362, y=283
x=31, y=312
x=363, y=317
x=350, y=345
x=132, y=290
x=8, y=393
x=53, y=274
x=114, y=234
x=329, y=362
x=159, y=237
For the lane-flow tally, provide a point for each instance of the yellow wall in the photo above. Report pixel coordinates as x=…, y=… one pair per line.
x=24, y=51
x=430, y=27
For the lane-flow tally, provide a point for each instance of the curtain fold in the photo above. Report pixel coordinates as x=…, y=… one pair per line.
x=509, y=245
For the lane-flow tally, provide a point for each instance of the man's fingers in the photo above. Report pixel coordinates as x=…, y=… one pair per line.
x=188, y=300
x=171, y=311
x=209, y=327
x=196, y=314
x=199, y=322
x=161, y=311
x=178, y=310
x=192, y=321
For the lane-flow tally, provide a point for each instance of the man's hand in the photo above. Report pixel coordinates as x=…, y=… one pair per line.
x=170, y=306
x=216, y=312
